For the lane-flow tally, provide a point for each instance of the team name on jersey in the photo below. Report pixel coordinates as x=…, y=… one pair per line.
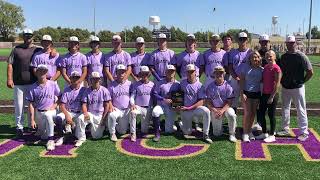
x=118, y=94
x=44, y=96
x=161, y=61
x=73, y=66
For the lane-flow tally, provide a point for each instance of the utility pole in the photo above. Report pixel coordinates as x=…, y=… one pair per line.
x=94, y=17
x=310, y=17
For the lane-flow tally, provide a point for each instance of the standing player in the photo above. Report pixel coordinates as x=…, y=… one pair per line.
x=219, y=98
x=49, y=57
x=236, y=59
x=118, y=118
x=264, y=42
x=189, y=56
x=114, y=58
x=41, y=97
x=297, y=70
x=95, y=106
x=227, y=46
x=74, y=61
x=139, y=58
x=162, y=93
x=213, y=57
x=20, y=76
x=141, y=102
x=70, y=106
x=95, y=58
x=194, y=95
x=161, y=57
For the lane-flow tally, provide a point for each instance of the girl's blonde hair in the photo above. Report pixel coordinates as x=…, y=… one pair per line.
x=255, y=53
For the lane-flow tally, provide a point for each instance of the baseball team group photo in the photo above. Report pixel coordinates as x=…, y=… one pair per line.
x=190, y=101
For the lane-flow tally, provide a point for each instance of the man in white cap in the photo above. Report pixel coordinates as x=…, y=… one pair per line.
x=161, y=57
x=264, y=42
x=95, y=58
x=139, y=58
x=115, y=57
x=20, y=76
x=119, y=112
x=141, y=101
x=296, y=71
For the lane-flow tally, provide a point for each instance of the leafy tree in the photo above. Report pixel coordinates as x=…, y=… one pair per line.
x=105, y=36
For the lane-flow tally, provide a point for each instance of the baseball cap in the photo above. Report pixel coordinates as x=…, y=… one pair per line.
x=162, y=36
x=75, y=74
x=73, y=39
x=218, y=69
x=264, y=37
x=215, y=37
x=291, y=39
x=139, y=40
x=27, y=31
x=95, y=75
x=144, y=69
x=116, y=38
x=191, y=67
x=171, y=67
x=94, y=39
x=121, y=67
x=242, y=35
x=42, y=67
x=191, y=37
x=46, y=38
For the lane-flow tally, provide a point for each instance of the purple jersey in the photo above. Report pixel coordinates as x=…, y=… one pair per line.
x=219, y=94
x=42, y=97
x=45, y=58
x=160, y=59
x=95, y=98
x=95, y=63
x=192, y=92
x=120, y=94
x=237, y=58
x=212, y=60
x=143, y=93
x=72, y=98
x=74, y=62
x=139, y=60
x=112, y=59
x=164, y=88
x=185, y=58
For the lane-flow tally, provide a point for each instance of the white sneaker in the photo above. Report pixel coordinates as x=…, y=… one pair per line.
x=303, y=137
x=50, y=145
x=68, y=129
x=198, y=128
x=256, y=127
x=270, y=139
x=114, y=138
x=133, y=137
x=207, y=139
x=232, y=138
x=283, y=133
x=262, y=136
x=174, y=127
x=245, y=138
x=60, y=141
x=79, y=143
x=251, y=137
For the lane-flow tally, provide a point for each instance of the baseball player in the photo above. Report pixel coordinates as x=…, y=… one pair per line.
x=70, y=106
x=95, y=58
x=118, y=118
x=219, y=98
x=115, y=57
x=139, y=58
x=194, y=95
x=141, y=102
x=49, y=57
x=236, y=59
x=161, y=57
x=213, y=57
x=42, y=97
x=162, y=93
x=95, y=106
x=74, y=61
x=227, y=46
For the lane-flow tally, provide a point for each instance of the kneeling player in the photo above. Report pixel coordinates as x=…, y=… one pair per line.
x=193, y=100
x=95, y=105
x=118, y=117
x=42, y=97
x=141, y=102
x=219, y=97
x=70, y=106
x=162, y=93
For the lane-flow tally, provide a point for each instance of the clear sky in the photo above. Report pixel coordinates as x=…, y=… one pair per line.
x=189, y=15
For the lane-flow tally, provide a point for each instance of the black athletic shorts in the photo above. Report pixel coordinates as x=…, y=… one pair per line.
x=252, y=95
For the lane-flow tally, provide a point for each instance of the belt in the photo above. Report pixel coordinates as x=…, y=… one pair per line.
x=145, y=106
x=42, y=110
x=75, y=111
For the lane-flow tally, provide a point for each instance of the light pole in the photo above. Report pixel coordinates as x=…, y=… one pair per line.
x=94, y=16
x=310, y=17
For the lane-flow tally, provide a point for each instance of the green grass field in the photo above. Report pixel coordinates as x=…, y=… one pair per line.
x=100, y=160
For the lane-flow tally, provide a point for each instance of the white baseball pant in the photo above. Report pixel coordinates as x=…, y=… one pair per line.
x=45, y=123
x=74, y=116
x=188, y=116
x=170, y=116
x=217, y=122
x=118, y=120
x=20, y=93
x=96, y=128
x=236, y=89
x=145, y=114
x=298, y=97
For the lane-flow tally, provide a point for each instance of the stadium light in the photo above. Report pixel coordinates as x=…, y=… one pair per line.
x=310, y=17
x=94, y=17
